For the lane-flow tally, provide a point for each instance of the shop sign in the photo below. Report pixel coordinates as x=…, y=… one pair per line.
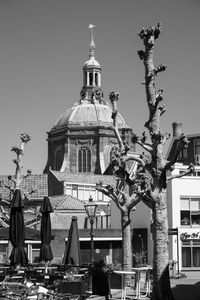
x=190, y=236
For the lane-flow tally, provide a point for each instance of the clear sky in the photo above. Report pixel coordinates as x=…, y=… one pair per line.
x=44, y=43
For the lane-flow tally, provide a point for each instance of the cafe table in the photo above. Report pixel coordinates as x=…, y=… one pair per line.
x=147, y=291
x=123, y=286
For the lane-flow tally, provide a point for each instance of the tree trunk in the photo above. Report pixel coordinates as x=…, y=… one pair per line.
x=126, y=242
x=161, y=281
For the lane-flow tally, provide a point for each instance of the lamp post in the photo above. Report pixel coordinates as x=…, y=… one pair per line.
x=91, y=208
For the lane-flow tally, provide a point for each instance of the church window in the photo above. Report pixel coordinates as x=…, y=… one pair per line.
x=112, y=152
x=84, y=160
x=90, y=78
x=58, y=160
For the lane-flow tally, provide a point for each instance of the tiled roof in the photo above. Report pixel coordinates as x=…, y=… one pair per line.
x=83, y=178
x=66, y=202
x=32, y=182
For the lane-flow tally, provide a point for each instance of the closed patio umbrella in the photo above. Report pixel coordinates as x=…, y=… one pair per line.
x=45, y=231
x=72, y=255
x=17, y=230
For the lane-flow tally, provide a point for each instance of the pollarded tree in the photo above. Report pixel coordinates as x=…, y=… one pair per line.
x=14, y=182
x=157, y=166
x=130, y=186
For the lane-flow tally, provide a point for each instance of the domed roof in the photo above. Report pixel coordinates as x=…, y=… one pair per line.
x=91, y=63
x=88, y=114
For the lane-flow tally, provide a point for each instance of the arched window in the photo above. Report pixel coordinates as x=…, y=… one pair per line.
x=96, y=79
x=58, y=160
x=84, y=160
x=112, y=151
x=90, y=78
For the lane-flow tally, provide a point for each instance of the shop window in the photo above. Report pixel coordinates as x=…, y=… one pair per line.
x=190, y=211
x=191, y=254
x=84, y=160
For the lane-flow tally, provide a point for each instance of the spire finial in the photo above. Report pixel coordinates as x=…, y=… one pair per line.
x=92, y=44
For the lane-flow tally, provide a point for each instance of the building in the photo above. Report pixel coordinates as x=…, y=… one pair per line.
x=184, y=204
x=80, y=147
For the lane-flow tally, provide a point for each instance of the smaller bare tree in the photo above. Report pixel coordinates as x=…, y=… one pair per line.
x=130, y=186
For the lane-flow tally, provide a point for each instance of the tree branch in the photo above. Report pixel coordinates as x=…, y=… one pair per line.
x=114, y=97
x=190, y=170
x=142, y=142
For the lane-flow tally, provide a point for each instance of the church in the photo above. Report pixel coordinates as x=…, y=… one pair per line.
x=80, y=147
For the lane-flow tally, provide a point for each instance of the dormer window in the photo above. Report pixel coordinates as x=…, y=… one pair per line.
x=182, y=154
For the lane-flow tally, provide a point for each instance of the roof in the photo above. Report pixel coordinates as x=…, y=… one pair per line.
x=83, y=178
x=88, y=114
x=84, y=233
x=66, y=202
x=30, y=233
x=32, y=182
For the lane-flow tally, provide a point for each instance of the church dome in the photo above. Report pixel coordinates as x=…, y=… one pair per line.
x=91, y=63
x=88, y=115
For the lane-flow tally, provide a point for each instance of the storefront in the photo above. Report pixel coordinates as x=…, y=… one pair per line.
x=190, y=250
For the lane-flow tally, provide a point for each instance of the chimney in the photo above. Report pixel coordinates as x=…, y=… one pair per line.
x=177, y=129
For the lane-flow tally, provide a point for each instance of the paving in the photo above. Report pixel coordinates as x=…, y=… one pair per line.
x=187, y=287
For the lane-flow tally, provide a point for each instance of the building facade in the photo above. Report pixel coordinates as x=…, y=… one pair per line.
x=184, y=204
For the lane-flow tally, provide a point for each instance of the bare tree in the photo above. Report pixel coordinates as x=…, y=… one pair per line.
x=14, y=182
x=130, y=186
x=157, y=166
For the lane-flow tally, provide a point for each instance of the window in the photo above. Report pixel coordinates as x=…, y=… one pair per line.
x=35, y=253
x=197, y=152
x=96, y=78
x=3, y=253
x=182, y=154
x=83, y=192
x=90, y=79
x=84, y=160
x=75, y=190
x=58, y=160
x=190, y=254
x=190, y=211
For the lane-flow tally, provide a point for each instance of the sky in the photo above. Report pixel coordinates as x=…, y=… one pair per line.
x=44, y=44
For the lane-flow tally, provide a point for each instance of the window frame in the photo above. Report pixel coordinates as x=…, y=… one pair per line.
x=190, y=213
x=84, y=160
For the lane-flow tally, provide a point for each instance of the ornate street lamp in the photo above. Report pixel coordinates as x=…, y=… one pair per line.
x=91, y=208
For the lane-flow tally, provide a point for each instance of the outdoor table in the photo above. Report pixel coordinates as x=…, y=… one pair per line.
x=138, y=271
x=123, y=287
